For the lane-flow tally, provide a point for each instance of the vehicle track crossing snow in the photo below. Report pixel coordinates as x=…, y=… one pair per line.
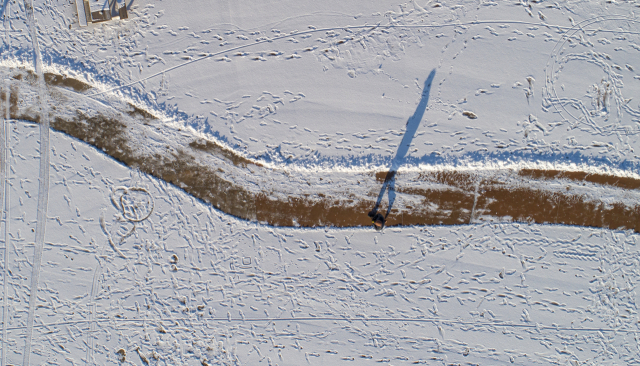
x=4, y=169
x=43, y=188
x=5, y=131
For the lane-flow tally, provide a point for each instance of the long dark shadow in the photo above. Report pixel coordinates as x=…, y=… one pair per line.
x=412, y=126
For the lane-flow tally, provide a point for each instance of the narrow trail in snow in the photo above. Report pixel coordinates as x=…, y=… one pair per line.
x=5, y=130
x=43, y=188
x=93, y=307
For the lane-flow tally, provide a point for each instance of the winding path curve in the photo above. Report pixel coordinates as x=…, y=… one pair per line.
x=312, y=199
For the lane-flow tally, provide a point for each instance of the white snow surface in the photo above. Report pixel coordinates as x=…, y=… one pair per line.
x=333, y=82
x=134, y=264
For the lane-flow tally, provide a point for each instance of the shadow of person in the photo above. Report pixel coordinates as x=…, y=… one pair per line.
x=412, y=126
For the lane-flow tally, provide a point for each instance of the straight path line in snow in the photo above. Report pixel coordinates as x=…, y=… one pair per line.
x=350, y=320
x=5, y=130
x=387, y=26
x=43, y=188
x=92, y=304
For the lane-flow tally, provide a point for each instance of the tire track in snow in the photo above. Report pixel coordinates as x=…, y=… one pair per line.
x=43, y=188
x=4, y=168
x=92, y=310
x=5, y=130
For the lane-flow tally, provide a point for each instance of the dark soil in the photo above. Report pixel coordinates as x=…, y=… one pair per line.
x=620, y=182
x=65, y=82
x=213, y=148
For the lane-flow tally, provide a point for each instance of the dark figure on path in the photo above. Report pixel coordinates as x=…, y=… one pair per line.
x=378, y=220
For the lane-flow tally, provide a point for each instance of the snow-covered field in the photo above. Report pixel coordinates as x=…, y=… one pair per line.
x=104, y=264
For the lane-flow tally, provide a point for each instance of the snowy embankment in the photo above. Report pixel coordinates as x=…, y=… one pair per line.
x=325, y=89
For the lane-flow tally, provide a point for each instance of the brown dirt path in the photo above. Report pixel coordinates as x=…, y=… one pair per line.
x=458, y=197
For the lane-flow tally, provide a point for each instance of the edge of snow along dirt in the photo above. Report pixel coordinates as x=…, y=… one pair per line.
x=293, y=196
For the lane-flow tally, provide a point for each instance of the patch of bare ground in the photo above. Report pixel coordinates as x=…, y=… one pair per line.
x=15, y=112
x=448, y=207
x=65, y=82
x=140, y=113
x=514, y=203
x=13, y=101
x=214, y=148
x=461, y=197
x=24, y=74
x=609, y=180
x=529, y=205
x=439, y=206
x=52, y=79
x=207, y=184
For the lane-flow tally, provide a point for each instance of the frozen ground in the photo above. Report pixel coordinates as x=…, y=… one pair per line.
x=102, y=264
